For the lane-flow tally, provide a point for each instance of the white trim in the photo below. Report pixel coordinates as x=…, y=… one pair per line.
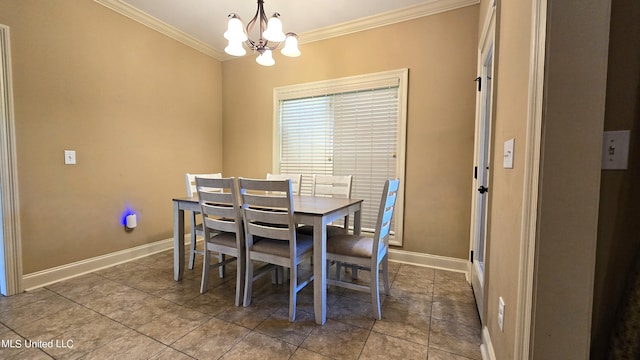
x=489, y=20
x=160, y=26
x=408, y=13
x=433, y=261
x=428, y=8
x=49, y=276
x=486, y=349
x=59, y=273
x=345, y=84
x=524, y=305
x=10, y=241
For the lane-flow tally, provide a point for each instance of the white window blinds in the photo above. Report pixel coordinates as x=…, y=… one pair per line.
x=349, y=126
x=343, y=134
x=306, y=138
x=365, y=132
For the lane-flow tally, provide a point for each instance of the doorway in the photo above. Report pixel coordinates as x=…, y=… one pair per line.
x=482, y=161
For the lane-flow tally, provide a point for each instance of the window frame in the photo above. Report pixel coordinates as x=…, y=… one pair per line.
x=397, y=77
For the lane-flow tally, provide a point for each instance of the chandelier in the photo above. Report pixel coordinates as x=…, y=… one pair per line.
x=270, y=37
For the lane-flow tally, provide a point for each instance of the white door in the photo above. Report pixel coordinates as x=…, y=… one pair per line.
x=481, y=171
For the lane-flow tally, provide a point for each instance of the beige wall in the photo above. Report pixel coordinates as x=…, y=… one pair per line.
x=618, y=227
x=440, y=52
x=139, y=108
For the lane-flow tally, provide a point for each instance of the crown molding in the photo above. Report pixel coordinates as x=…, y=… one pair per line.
x=154, y=23
x=409, y=13
x=412, y=12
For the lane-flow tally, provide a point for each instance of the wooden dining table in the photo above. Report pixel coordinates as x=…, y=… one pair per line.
x=309, y=210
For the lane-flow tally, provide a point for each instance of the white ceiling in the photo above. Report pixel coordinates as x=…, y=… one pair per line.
x=201, y=23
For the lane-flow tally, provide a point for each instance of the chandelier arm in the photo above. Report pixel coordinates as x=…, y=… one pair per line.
x=260, y=18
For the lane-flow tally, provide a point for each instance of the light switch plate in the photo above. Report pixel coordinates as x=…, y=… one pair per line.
x=69, y=157
x=508, y=154
x=615, y=150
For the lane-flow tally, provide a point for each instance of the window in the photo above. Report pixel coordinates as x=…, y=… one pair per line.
x=349, y=126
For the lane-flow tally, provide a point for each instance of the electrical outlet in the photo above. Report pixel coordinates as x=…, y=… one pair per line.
x=501, y=313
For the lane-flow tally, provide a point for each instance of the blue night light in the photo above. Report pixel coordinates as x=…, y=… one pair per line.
x=127, y=221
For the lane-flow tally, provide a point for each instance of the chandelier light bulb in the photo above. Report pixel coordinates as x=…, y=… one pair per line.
x=235, y=48
x=235, y=30
x=265, y=59
x=290, y=48
x=274, y=29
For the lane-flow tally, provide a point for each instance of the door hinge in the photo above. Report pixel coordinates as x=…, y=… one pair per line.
x=471, y=257
x=475, y=172
x=479, y=81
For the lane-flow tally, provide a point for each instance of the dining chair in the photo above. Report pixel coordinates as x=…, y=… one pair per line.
x=296, y=180
x=221, y=215
x=331, y=186
x=196, y=228
x=271, y=236
x=368, y=253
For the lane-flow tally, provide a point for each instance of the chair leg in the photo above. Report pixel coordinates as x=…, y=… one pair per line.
x=276, y=275
x=239, y=278
x=354, y=272
x=192, y=246
x=328, y=270
x=248, y=283
x=293, y=293
x=385, y=275
x=375, y=292
x=221, y=268
x=205, y=271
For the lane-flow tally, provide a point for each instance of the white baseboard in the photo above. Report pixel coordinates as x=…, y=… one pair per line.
x=434, y=261
x=49, y=276
x=487, y=348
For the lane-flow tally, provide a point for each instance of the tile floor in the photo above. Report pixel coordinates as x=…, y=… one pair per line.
x=136, y=311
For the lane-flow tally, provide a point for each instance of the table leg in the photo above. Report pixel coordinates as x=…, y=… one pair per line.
x=178, y=242
x=357, y=218
x=320, y=270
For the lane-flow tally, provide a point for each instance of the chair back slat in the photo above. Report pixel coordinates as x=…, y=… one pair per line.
x=266, y=215
x=267, y=199
x=332, y=186
x=271, y=232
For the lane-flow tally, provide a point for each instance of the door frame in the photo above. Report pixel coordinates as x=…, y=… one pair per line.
x=10, y=239
x=487, y=43
x=532, y=160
